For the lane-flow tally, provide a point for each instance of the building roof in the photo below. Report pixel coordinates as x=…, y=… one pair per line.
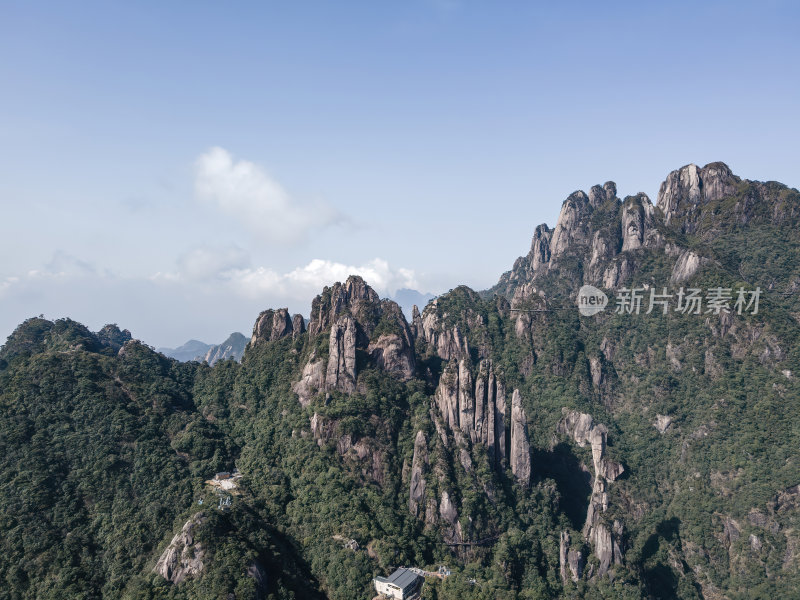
x=402, y=578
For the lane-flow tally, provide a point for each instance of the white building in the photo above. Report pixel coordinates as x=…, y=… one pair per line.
x=401, y=584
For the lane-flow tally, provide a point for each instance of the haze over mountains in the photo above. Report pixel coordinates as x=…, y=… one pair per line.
x=233, y=347
x=536, y=452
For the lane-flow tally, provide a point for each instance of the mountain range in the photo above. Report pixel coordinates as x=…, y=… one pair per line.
x=645, y=450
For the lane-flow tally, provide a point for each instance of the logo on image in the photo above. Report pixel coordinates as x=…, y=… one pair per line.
x=591, y=300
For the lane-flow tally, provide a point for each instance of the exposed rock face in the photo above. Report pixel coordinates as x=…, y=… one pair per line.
x=602, y=241
x=355, y=315
x=466, y=399
x=256, y=572
x=449, y=519
x=447, y=395
x=571, y=559
x=582, y=428
x=688, y=264
x=233, y=348
x=662, y=423
x=183, y=557
x=354, y=297
x=520, y=455
x=298, y=325
x=594, y=228
x=571, y=227
x=475, y=409
x=563, y=548
x=447, y=343
x=113, y=337
x=605, y=546
x=638, y=223
x=394, y=355
x=272, y=325
x=313, y=379
x=685, y=191
x=341, y=372
x=416, y=496
x=540, y=247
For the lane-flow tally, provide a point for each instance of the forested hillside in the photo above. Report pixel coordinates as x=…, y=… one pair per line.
x=536, y=452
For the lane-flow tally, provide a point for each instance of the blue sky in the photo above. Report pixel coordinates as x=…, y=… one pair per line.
x=176, y=167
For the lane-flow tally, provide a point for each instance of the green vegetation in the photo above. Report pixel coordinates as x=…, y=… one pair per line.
x=105, y=446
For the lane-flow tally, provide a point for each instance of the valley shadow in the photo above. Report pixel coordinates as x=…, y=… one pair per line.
x=667, y=530
x=661, y=579
x=574, y=484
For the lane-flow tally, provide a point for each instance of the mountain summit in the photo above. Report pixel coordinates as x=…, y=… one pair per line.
x=648, y=450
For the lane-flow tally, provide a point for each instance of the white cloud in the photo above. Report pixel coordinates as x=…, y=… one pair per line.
x=303, y=283
x=245, y=191
x=205, y=263
x=228, y=268
x=6, y=284
x=376, y=272
x=61, y=267
x=210, y=292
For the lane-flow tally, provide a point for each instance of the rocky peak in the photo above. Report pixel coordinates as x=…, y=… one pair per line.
x=273, y=325
x=520, y=455
x=113, y=337
x=638, y=223
x=184, y=556
x=352, y=297
x=599, y=194
x=474, y=406
x=298, y=325
x=572, y=226
x=447, y=342
x=684, y=192
x=540, y=247
x=358, y=319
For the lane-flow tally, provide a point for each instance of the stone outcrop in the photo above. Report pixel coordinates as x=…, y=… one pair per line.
x=448, y=343
x=582, y=429
x=572, y=227
x=474, y=406
x=272, y=325
x=341, y=371
x=354, y=297
x=595, y=228
x=540, y=247
x=662, y=423
x=570, y=558
x=257, y=573
x=638, y=224
x=394, y=355
x=448, y=513
x=392, y=347
x=312, y=380
x=419, y=465
x=520, y=453
x=183, y=558
x=688, y=264
x=685, y=191
x=298, y=326
x=113, y=337
x=233, y=348
x=358, y=321
x=602, y=241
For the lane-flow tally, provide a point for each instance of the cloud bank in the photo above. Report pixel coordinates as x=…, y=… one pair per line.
x=226, y=267
x=246, y=192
